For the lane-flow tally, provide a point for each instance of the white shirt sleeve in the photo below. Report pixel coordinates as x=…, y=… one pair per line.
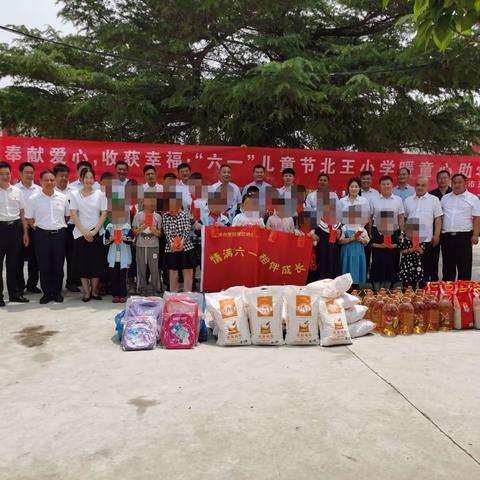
x=73, y=201
x=476, y=207
x=103, y=203
x=437, y=208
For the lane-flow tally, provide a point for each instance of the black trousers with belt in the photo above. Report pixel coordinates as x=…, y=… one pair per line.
x=456, y=255
x=11, y=242
x=50, y=249
x=28, y=255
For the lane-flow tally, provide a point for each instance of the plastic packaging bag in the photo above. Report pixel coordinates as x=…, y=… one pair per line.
x=119, y=322
x=328, y=288
x=139, y=333
x=264, y=307
x=355, y=313
x=230, y=316
x=361, y=328
x=333, y=324
x=302, y=313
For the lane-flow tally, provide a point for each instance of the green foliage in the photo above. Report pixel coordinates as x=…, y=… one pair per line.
x=298, y=73
x=439, y=20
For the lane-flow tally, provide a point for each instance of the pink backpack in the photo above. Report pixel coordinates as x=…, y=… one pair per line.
x=180, y=323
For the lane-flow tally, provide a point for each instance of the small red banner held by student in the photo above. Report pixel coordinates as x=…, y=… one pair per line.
x=251, y=256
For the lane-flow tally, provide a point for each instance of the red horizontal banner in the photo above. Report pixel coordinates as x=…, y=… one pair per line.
x=340, y=165
x=253, y=256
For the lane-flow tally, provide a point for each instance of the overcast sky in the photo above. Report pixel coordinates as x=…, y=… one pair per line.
x=31, y=13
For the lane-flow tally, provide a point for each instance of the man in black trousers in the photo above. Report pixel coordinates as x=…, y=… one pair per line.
x=460, y=230
x=13, y=229
x=47, y=212
x=443, y=187
x=27, y=186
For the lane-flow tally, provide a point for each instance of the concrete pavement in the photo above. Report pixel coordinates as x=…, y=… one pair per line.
x=74, y=406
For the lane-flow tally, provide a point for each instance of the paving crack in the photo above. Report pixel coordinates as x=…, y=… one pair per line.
x=421, y=412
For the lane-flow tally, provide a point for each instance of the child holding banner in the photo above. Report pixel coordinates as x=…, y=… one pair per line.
x=250, y=212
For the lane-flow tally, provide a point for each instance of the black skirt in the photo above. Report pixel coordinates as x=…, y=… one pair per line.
x=180, y=260
x=89, y=260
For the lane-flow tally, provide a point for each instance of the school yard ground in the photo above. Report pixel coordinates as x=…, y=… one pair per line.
x=74, y=406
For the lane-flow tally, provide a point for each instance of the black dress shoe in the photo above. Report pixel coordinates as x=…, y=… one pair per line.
x=45, y=299
x=19, y=299
x=2, y=302
x=34, y=290
x=96, y=297
x=58, y=299
x=86, y=299
x=73, y=288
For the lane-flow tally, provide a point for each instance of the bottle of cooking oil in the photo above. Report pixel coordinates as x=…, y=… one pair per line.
x=419, y=312
x=406, y=316
x=445, y=309
x=390, y=318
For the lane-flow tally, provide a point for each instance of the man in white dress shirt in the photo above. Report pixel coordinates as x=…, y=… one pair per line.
x=234, y=197
x=26, y=171
x=460, y=230
x=13, y=229
x=151, y=184
x=403, y=189
x=47, y=212
x=258, y=180
x=388, y=202
x=426, y=208
x=121, y=172
x=368, y=192
x=184, y=171
x=323, y=181
x=62, y=174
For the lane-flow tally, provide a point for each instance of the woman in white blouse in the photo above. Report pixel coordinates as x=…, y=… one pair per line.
x=88, y=210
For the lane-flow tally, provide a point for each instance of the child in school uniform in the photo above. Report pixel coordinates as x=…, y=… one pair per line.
x=353, y=239
x=147, y=230
x=119, y=235
x=384, y=268
x=411, y=271
x=179, y=250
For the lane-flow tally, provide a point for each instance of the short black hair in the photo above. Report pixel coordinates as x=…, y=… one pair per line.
x=169, y=175
x=258, y=165
x=60, y=167
x=46, y=172
x=323, y=175
x=291, y=171
x=459, y=175
x=443, y=171
x=365, y=173
x=121, y=162
x=385, y=177
x=146, y=168
x=83, y=163
x=106, y=175
x=183, y=165
x=252, y=189
x=24, y=165
x=403, y=168
x=5, y=165
x=223, y=165
x=196, y=176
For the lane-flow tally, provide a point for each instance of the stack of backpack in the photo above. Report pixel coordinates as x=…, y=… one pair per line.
x=174, y=321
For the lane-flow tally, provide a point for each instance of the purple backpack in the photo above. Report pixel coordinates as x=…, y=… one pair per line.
x=139, y=333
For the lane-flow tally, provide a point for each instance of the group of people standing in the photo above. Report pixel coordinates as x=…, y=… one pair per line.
x=115, y=231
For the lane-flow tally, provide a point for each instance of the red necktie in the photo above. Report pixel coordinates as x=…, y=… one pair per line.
x=133, y=211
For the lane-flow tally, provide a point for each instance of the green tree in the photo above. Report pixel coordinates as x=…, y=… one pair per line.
x=297, y=73
x=440, y=20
